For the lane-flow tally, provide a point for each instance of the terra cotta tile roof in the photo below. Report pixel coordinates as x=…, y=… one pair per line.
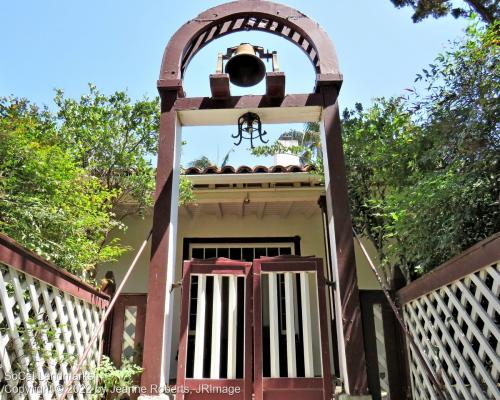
x=244, y=169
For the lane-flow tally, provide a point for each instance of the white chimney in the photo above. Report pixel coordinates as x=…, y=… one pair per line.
x=284, y=158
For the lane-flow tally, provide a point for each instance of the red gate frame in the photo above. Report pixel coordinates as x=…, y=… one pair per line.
x=220, y=266
x=297, y=388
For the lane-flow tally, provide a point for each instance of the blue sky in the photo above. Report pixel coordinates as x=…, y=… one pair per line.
x=119, y=45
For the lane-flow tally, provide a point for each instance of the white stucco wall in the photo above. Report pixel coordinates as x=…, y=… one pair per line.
x=309, y=229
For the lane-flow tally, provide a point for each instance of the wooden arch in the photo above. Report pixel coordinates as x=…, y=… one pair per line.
x=286, y=22
x=243, y=15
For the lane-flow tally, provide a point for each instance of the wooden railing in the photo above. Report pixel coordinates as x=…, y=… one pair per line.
x=453, y=315
x=47, y=317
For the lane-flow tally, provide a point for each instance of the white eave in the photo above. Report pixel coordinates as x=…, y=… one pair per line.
x=255, y=178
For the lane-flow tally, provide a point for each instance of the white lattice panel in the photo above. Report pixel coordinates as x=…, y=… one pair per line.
x=456, y=328
x=43, y=331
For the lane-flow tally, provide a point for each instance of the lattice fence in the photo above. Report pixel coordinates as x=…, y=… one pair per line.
x=43, y=331
x=456, y=328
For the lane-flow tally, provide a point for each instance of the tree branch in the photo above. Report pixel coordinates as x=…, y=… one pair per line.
x=487, y=15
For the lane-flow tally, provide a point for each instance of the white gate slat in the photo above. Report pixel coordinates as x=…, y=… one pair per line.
x=94, y=315
x=199, y=346
x=495, y=289
x=232, y=325
x=487, y=319
x=4, y=359
x=486, y=292
x=307, y=325
x=459, y=317
x=82, y=323
x=216, y=328
x=274, y=347
x=63, y=324
x=421, y=386
x=70, y=346
x=290, y=325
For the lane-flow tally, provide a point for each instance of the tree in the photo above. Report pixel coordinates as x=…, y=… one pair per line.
x=454, y=203
x=487, y=9
x=48, y=202
x=381, y=149
x=69, y=177
x=114, y=139
x=201, y=163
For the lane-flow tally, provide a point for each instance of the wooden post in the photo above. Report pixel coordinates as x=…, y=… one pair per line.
x=349, y=322
x=157, y=340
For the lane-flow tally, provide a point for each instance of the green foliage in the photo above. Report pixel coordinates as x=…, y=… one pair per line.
x=35, y=341
x=437, y=171
x=186, y=194
x=381, y=153
x=202, y=162
x=454, y=200
x=68, y=178
x=487, y=9
x=113, y=139
x=47, y=202
x=113, y=382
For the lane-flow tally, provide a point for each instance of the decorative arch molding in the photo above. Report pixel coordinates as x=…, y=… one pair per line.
x=243, y=15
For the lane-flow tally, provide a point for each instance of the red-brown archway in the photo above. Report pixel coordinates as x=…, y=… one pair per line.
x=249, y=15
x=187, y=41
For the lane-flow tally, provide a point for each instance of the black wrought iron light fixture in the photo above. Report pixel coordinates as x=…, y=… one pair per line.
x=250, y=128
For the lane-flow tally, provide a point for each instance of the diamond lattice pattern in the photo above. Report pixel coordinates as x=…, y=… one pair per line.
x=43, y=330
x=456, y=328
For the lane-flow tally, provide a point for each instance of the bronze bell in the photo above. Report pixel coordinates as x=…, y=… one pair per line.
x=245, y=67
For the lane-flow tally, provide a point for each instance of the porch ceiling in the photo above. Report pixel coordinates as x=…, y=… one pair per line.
x=260, y=209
